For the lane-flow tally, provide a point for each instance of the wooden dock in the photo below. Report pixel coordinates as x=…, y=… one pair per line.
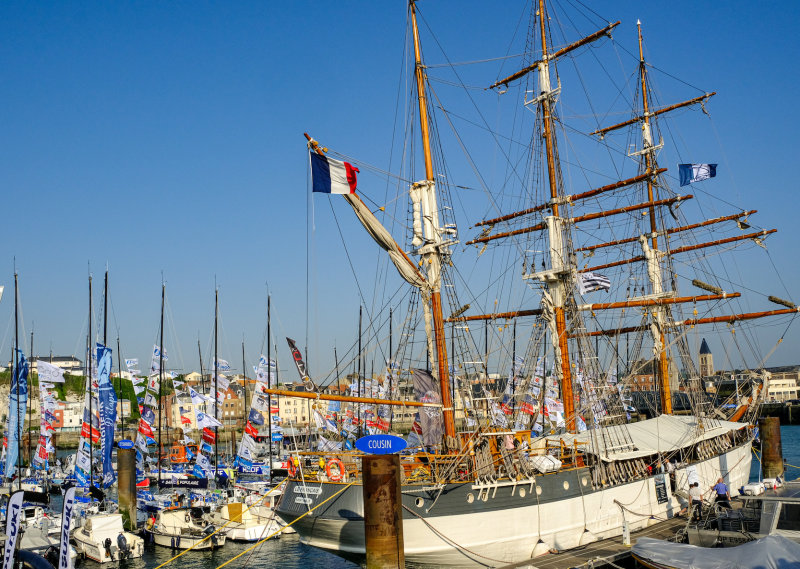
x=600, y=553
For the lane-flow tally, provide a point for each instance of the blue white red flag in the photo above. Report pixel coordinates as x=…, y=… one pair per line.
x=331, y=176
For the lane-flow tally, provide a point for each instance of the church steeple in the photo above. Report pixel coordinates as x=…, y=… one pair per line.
x=706, y=360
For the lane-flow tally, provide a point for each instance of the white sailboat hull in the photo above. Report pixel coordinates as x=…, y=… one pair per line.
x=496, y=537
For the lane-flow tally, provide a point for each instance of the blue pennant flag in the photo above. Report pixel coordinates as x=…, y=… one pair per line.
x=16, y=411
x=107, y=398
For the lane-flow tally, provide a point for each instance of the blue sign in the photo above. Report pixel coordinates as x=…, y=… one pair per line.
x=381, y=444
x=125, y=443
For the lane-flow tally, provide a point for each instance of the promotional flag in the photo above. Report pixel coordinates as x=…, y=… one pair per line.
x=250, y=429
x=16, y=411
x=145, y=428
x=209, y=436
x=107, y=399
x=301, y=366
x=49, y=373
x=185, y=420
x=207, y=421
x=64, y=560
x=203, y=462
x=426, y=390
x=13, y=520
x=148, y=415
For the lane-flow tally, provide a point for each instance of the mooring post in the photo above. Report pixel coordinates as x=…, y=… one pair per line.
x=771, y=450
x=383, y=511
x=126, y=465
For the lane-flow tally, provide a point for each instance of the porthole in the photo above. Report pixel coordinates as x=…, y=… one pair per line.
x=538, y=490
x=522, y=492
x=470, y=498
x=566, y=485
x=585, y=480
x=419, y=502
x=485, y=497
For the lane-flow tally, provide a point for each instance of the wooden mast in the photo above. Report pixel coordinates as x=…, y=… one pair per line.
x=654, y=267
x=433, y=256
x=557, y=286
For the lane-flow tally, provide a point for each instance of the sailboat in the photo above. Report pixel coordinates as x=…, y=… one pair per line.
x=551, y=459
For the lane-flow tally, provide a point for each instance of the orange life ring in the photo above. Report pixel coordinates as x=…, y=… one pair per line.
x=340, y=467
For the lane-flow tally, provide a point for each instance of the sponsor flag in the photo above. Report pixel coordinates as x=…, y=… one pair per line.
x=107, y=399
x=64, y=560
x=13, y=521
x=690, y=173
x=426, y=390
x=331, y=176
x=87, y=432
x=148, y=414
x=16, y=420
x=49, y=373
x=185, y=420
x=250, y=429
x=207, y=421
x=209, y=436
x=145, y=428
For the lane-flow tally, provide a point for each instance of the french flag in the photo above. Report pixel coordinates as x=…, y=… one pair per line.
x=331, y=176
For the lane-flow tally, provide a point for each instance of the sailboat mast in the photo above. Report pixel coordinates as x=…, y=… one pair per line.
x=269, y=381
x=160, y=380
x=433, y=261
x=121, y=406
x=30, y=407
x=105, y=309
x=16, y=360
x=555, y=225
x=358, y=377
x=216, y=374
x=246, y=408
x=89, y=375
x=653, y=268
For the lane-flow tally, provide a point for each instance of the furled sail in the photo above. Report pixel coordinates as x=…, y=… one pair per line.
x=382, y=237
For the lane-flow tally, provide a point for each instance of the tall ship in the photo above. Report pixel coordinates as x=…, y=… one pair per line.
x=603, y=421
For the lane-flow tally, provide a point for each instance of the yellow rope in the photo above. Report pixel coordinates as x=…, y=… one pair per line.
x=222, y=526
x=286, y=526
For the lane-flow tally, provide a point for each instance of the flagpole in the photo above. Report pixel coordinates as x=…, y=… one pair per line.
x=358, y=377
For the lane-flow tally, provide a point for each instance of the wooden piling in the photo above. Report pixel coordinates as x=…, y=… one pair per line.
x=126, y=466
x=383, y=512
x=771, y=450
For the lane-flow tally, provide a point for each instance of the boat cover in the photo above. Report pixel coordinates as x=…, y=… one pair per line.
x=771, y=552
x=664, y=434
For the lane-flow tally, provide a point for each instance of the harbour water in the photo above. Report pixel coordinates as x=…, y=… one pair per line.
x=288, y=553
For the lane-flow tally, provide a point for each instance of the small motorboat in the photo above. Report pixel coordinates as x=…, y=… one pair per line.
x=102, y=538
x=184, y=528
x=243, y=523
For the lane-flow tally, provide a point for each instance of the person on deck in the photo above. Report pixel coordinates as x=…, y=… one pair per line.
x=696, y=500
x=723, y=494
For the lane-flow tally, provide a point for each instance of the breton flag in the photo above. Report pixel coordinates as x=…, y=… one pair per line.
x=331, y=176
x=696, y=172
x=589, y=282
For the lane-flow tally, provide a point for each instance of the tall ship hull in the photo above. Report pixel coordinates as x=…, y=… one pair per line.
x=492, y=523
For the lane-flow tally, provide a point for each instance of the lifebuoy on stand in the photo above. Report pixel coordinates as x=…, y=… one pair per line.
x=339, y=475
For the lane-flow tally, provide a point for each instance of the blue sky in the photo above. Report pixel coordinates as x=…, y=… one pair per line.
x=166, y=139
